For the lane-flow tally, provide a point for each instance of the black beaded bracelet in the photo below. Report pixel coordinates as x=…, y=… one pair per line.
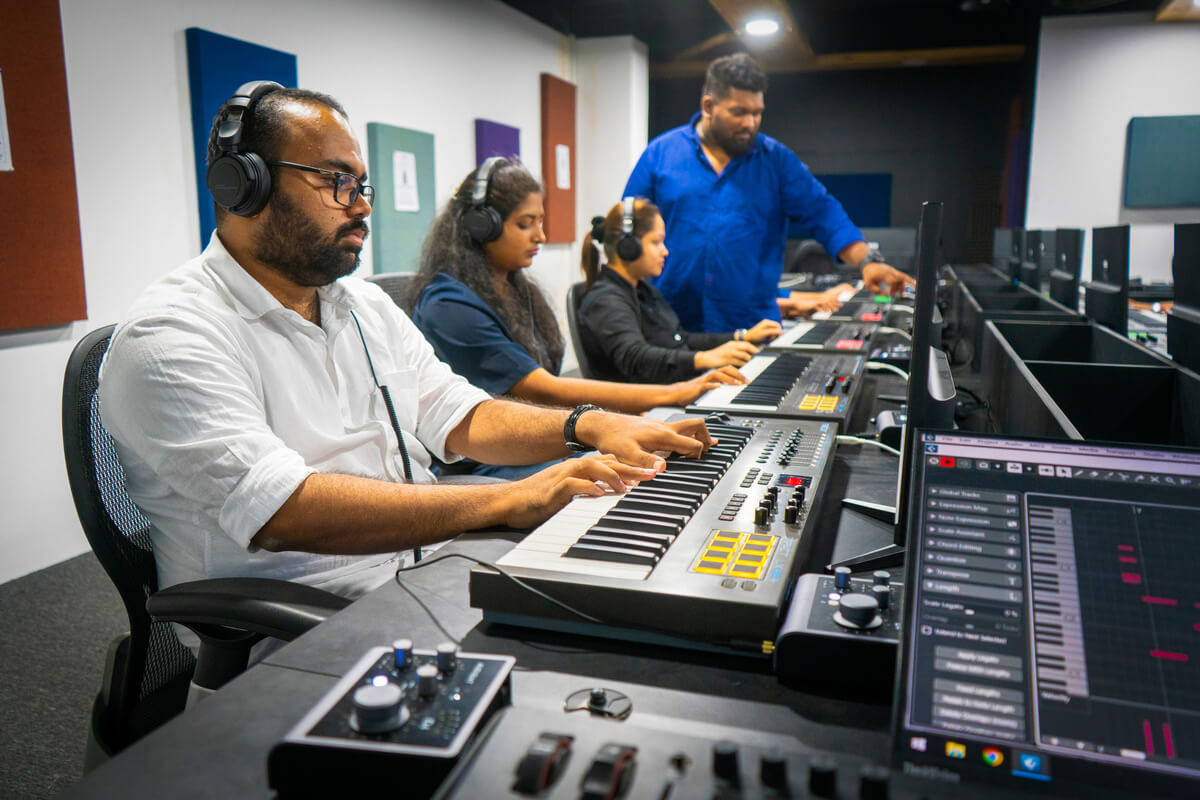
x=569, y=428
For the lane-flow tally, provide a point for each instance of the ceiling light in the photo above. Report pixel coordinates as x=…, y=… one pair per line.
x=762, y=27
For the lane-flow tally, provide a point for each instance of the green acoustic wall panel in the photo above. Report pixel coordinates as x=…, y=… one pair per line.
x=1162, y=162
x=401, y=170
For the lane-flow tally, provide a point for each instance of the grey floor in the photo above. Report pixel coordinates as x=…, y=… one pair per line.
x=55, y=626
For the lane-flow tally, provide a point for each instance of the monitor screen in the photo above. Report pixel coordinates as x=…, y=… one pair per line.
x=1052, y=615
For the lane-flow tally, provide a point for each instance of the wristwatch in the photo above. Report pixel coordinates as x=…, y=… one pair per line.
x=572, y=441
x=872, y=256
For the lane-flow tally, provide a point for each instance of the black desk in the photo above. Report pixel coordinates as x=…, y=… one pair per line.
x=219, y=748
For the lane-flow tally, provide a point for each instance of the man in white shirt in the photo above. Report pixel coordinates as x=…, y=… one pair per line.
x=242, y=390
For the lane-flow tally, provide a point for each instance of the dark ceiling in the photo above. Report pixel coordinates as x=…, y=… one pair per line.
x=669, y=27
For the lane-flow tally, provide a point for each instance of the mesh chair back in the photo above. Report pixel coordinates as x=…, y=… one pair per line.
x=152, y=686
x=574, y=298
x=394, y=283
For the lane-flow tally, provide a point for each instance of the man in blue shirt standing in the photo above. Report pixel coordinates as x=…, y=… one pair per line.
x=726, y=193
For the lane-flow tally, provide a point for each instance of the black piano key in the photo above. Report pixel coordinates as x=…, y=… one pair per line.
x=619, y=555
x=663, y=540
x=690, y=502
x=653, y=505
x=641, y=522
x=618, y=540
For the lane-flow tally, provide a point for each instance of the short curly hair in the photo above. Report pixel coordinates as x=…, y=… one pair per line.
x=738, y=71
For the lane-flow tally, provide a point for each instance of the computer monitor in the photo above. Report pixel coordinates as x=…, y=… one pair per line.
x=1064, y=273
x=1183, y=320
x=1050, y=616
x=931, y=396
x=1106, y=295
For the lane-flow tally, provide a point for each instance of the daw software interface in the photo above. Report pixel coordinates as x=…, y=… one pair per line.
x=1053, y=617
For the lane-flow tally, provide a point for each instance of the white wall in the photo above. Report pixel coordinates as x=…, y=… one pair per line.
x=429, y=66
x=1095, y=73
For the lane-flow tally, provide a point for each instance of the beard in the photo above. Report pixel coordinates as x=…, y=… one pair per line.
x=294, y=246
x=726, y=138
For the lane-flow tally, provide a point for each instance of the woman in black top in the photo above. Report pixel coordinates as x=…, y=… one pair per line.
x=629, y=331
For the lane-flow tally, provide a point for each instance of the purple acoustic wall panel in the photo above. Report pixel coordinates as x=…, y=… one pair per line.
x=495, y=139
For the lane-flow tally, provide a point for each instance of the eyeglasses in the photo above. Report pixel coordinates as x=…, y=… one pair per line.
x=346, y=187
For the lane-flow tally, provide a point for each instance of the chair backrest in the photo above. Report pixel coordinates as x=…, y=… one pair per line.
x=156, y=665
x=574, y=298
x=394, y=283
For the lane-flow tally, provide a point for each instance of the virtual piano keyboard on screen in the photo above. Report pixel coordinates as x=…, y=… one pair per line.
x=703, y=553
x=790, y=385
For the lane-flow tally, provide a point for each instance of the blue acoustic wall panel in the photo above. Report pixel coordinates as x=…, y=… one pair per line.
x=1162, y=162
x=217, y=66
x=867, y=198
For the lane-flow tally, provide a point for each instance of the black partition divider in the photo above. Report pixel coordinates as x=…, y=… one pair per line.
x=1123, y=403
x=1183, y=320
x=1008, y=384
x=1019, y=304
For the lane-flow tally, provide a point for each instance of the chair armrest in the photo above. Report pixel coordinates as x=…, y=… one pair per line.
x=280, y=609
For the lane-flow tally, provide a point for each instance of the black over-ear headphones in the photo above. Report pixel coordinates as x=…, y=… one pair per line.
x=483, y=222
x=240, y=182
x=629, y=247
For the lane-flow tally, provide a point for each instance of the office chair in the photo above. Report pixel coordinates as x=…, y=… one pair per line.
x=394, y=283
x=149, y=674
x=574, y=298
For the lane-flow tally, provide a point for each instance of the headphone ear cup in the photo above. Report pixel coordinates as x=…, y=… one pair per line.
x=240, y=183
x=629, y=247
x=483, y=223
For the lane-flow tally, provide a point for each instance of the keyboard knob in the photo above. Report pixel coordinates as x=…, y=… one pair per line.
x=873, y=783
x=881, y=577
x=773, y=770
x=790, y=514
x=822, y=776
x=882, y=595
x=725, y=762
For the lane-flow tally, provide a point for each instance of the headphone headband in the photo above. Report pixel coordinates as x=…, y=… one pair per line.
x=237, y=110
x=629, y=247
x=483, y=180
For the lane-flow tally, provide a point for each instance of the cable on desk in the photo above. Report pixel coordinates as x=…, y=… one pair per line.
x=430, y=561
x=879, y=365
x=874, y=443
x=888, y=329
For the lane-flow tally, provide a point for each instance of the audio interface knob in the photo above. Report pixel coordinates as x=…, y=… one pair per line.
x=882, y=595
x=873, y=783
x=773, y=770
x=841, y=579
x=402, y=652
x=822, y=776
x=858, y=610
x=881, y=577
x=427, y=680
x=725, y=762
x=447, y=657
x=378, y=709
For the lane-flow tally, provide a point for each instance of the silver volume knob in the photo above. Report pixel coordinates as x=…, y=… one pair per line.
x=378, y=709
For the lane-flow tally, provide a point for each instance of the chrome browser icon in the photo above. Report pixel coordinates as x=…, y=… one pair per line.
x=992, y=757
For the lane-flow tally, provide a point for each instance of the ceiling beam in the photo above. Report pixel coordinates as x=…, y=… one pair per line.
x=708, y=44
x=1177, y=11
x=788, y=43
x=872, y=59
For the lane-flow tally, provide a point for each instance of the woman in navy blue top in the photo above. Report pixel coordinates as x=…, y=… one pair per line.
x=490, y=323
